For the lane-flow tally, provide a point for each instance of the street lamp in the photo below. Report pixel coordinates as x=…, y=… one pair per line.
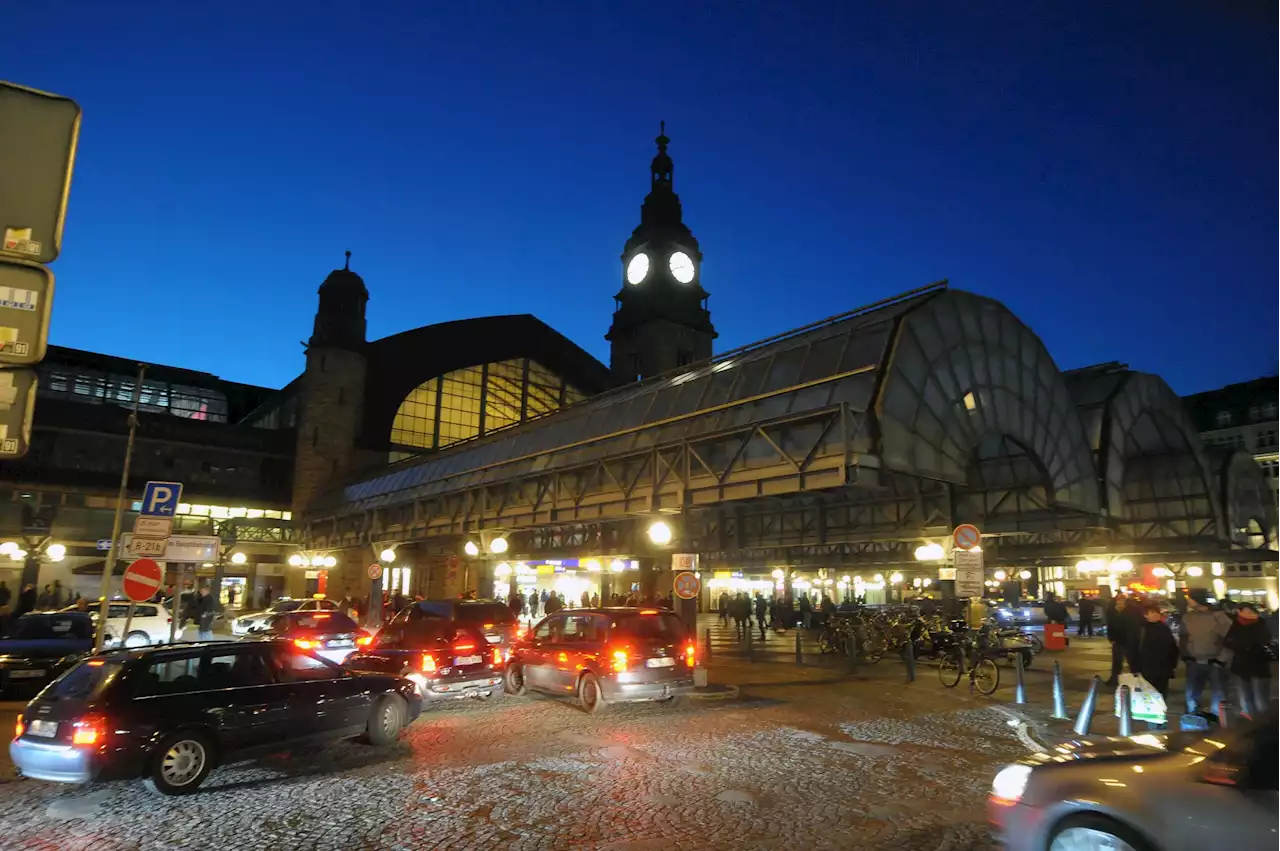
x=498, y=545
x=1001, y=575
x=895, y=579
x=660, y=533
x=1024, y=574
x=471, y=549
x=617, y=565
x=239, y=558
x=296, y=560
x=55, y=552
x=388, y=555
x=1195, y=571
x=330, y=561
x=930, y=552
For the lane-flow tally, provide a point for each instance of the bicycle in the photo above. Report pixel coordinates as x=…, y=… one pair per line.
x=984, y=674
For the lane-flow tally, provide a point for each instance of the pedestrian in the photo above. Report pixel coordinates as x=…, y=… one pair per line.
x=595, y=601
x=205, y=610
x=57, y=595
x=45, y=600
x=761, y=608
x=1157, y=651
x=1086, y=617
x=1203, y=632
x=516, y=604
x=586, y=599
x=231, y=596
x=724, y=607
x=1119, y=632
x=5, y=593
x=1249, y=641
x=1055, y=611
x=806, y=611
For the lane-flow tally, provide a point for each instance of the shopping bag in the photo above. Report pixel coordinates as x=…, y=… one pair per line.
x=1145, y=703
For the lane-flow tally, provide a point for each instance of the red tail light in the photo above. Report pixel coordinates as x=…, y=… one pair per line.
x=89, y=730
x=305, y=644
x=497, y=656
x=20, y=728
x=520, y=631
x=618, y=660
x=428, y=663
x=364, y=640
x=464, y=647
x=690, y=654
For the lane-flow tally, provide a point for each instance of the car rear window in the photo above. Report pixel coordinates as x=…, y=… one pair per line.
x=320, y=622
x=483, y=613
x=659, y=627
x=85, y=681
x=44, y=627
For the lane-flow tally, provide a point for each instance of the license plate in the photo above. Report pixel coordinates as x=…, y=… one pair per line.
x=466, y=660
x=341, y=643
x=45, y=729
x=493, y=639
x=664, y=662
x=25, y=675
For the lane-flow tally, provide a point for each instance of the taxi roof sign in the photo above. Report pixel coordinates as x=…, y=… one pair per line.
x=38, y=136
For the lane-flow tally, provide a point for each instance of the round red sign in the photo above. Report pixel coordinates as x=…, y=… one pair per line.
x=687, y=585
x=375, y=571
x=142, y=579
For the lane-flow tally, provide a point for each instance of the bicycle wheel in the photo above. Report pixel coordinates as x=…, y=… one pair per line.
x=825, y=643
x=949, y=670
x=986, y=676
x=875, y=645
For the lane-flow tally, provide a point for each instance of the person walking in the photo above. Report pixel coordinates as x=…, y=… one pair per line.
x=1156, y=651
x=1249, y=641
x=1086, y=617
x=205, y=610
x=724, y=607
x=1119, y=632
x=5, y=594
x=1201, y=644
x=762, y=607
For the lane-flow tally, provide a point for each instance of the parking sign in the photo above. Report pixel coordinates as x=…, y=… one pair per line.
x=161, y=499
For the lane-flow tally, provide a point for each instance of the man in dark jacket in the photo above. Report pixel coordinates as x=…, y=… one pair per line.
x=1119, y=633
x=1086, y=617
x=205, y=610
x=1249, y=641
x=1156, y=649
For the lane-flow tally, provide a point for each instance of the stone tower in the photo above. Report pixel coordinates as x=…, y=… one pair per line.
x=331, y=398
x=661, y=321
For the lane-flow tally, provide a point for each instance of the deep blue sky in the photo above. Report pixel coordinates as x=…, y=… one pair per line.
x=1108, y=170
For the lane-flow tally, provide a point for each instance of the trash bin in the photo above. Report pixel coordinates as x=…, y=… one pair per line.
x=1055, y=637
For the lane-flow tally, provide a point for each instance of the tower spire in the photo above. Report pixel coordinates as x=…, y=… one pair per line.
x=660, y=170
x=346, y=267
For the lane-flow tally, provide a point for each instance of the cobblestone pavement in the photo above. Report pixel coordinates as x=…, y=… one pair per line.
x=793, y=763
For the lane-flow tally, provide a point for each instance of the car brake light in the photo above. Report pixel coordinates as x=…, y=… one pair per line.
x=305, y=644
x=463, y=647
x=364, y=640
x=488, y=626
x=648, y=611
x=89, y=730
x=428, y=663
x=619, y=661
x=20, y=728
x=497, y=656
x=690, y=655
x=96, y=663
x=520, y=631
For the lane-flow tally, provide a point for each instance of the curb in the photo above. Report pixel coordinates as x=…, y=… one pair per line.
x=718, y=692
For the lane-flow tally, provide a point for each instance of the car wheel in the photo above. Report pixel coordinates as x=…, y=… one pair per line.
x=137, y=639
x=1095, y=833
x=513, y=679
x=589, y=697
x=180, y=764
x=385, y=721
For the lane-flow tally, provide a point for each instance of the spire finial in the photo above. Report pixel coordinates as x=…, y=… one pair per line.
x=346, y=267
x=662, y=139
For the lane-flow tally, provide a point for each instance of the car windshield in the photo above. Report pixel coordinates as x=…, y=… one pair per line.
x=313, y=622
x=658, y=627
x=85, y=681
x=47, y=627
x=284, y=605
x=483, y=613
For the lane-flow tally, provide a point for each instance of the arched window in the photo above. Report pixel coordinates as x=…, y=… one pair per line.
x=476, y=400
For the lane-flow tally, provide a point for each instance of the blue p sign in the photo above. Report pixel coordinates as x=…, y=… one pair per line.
x=161, y=499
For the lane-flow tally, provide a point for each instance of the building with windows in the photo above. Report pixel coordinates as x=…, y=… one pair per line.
x=1243, y=417
x=252, y=458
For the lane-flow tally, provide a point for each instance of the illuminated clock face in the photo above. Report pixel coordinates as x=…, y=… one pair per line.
x=638, y=268
x=682, y=267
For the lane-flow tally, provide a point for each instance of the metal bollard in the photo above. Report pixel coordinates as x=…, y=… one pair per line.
x=1019, y=683
x=799, y=654
x=909, y=656
x=1126, y=712
x=1059, y=696
x=707, y=655
x=853, y=650
x=1085, y=718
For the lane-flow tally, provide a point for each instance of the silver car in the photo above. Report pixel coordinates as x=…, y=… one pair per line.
x=245, y=624
x=1165, y=792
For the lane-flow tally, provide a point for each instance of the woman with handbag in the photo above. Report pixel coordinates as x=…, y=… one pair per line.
x=1249, y=641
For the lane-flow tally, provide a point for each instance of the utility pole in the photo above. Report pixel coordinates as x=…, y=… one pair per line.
x=109, y=565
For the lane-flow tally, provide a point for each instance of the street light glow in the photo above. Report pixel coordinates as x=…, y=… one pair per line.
x=388, y=555
x=503, y=570
x=330, y=561
x=930, y=552
x=617, y=565
x=895, y=579
x=18, y=555
x=470, y=548
x=660, y=533
x=7, y=548
x=296, y=560
x=1195, y=571
x=239, y=558
x=1024, y=574
x=56, y=552
x=1001, y=575
x=498, y=545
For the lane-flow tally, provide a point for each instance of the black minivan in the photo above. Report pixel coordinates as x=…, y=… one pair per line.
x=170, y=714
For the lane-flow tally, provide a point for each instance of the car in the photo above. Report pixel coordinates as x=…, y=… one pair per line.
x=500, y=625
x=331, y=635
x=605, y=655
x=170, y=714
x=258, y=620
x=41, y=645
x=1150, y=792
x=149, y=625
x=446, y=659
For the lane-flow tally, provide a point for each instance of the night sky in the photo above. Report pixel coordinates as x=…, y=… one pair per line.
x=1107, y=170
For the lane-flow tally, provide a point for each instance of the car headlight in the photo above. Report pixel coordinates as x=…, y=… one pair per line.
x=1009, y=784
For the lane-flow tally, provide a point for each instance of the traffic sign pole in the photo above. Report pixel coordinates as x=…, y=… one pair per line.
x=109, y=564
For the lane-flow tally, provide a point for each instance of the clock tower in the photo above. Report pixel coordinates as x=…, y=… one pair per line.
x=661, y=321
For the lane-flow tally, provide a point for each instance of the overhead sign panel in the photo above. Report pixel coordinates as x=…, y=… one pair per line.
x=38, y=134
x=26, y=303
x=17, y=406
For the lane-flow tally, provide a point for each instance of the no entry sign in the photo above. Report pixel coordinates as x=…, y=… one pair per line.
x=142, y=579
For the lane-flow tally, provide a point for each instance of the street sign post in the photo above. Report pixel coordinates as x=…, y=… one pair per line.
x=38, y=136
x=142, y=579
x=17, y=407
x=26, y=303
